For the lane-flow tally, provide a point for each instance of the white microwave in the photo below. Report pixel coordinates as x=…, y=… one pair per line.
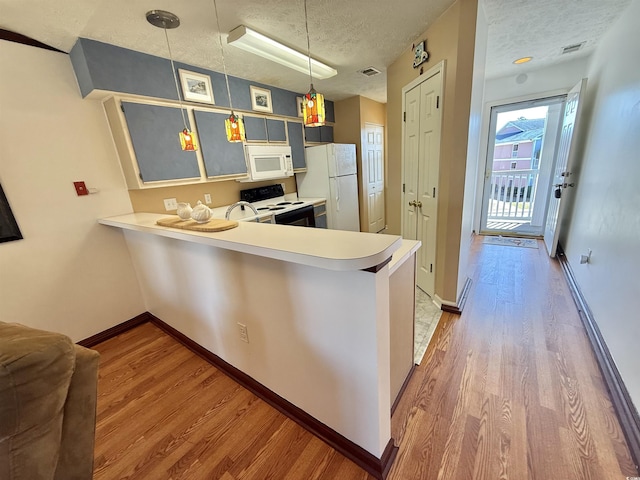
x=265, y=162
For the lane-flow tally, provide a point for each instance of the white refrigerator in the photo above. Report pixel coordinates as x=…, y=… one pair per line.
x=332, y=174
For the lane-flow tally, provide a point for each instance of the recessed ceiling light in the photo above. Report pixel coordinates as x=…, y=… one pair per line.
x=522, y=60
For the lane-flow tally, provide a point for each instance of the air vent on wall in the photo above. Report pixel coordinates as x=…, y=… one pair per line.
x=572, y=48
x=370, y=71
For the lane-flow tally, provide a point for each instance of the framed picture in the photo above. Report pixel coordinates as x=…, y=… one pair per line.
x=261, y=99
x=8, y=227
x=299, y=103
x=196, y=87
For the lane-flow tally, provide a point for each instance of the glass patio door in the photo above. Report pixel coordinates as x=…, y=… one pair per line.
x=520, y=157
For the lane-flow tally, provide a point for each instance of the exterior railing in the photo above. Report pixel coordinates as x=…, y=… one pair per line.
x=512, y=194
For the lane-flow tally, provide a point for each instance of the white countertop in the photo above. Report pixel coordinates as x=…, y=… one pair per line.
x=407, y=248
x=330, y=249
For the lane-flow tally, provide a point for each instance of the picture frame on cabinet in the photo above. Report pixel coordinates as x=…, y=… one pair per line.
x=261, y=99
x=300, y=106
x=196, y=87
x=9, y=229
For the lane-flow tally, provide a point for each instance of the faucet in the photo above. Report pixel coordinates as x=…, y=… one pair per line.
x=242, y=203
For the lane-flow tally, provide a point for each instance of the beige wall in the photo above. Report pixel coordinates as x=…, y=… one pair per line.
x=69, y=274
x=222, y=193
x=372, y=111
x=351, y=116
x=450, y=38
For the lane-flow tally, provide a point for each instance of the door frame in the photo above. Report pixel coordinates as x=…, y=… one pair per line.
x=484, y=142
x=551, y=138
x=437, y=68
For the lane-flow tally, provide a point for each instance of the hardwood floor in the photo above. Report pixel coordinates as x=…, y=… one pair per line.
x=508, y=390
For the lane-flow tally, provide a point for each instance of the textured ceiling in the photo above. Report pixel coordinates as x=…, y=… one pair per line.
x=540, y=29
x=348, y=35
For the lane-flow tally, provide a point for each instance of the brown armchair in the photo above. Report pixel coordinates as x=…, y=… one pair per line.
x=47, y=405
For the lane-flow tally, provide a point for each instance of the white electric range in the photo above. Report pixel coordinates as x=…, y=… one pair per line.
x=272, y=206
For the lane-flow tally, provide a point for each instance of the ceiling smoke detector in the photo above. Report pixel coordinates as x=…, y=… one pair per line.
x=572, y=48
x=369, y=71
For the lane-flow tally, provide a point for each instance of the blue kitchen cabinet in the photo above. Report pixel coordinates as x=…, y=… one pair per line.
x=326, y=134
x=220, y=156
x=312, y=134
x=255, y=129
x=296, y=142
x=320, y=214
x=260, y=129
x=154, y=133
x=276, y=130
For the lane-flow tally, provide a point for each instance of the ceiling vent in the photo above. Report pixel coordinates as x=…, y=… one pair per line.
x=370, y=71
x=572, y=48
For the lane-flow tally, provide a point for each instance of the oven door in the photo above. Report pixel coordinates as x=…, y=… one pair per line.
x=302, y=217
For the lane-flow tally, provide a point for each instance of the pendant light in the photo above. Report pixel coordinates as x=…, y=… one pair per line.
x=313, y=102
x=167, y=20
x=234, y=125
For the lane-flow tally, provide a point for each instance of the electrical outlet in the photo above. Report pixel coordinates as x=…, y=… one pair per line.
x=244, y=336
x=170, y=204
x=207, y=198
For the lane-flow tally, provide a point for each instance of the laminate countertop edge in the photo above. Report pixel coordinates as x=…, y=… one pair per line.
x=336, y=250
x=407, y=248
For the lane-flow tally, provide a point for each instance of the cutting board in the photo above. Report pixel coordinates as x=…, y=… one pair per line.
x=213, y=225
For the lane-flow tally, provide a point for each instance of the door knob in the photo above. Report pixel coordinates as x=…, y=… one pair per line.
x=413, y=203
x=418, y=204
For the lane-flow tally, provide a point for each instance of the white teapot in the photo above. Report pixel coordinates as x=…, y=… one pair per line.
x=184, y=210
x=201, y=213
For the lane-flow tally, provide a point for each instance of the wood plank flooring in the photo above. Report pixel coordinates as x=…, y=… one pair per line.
x=508, y=390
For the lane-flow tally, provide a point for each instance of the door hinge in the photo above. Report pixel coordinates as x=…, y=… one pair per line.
x=434, y=192
x=403, y=188
x=438, y=101
x=431, y=268
x=404, y=116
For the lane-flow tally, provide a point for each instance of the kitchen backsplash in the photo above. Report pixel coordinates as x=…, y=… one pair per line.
x=222, y=193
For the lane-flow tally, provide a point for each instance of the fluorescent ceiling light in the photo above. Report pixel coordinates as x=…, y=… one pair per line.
x=254, y=42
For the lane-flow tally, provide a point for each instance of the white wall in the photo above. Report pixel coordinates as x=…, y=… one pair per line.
x=318, y=338
x=473, y=146
x=68, y=274
x=562, y=76
x=606, y=216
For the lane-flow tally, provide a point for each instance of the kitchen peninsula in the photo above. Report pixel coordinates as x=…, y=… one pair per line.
x=315, y=303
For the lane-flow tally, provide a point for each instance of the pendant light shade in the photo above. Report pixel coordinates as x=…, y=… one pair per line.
x=313, y=102
x=235, y=128
x=188, y=141
x=167, y=20
x=313, y=108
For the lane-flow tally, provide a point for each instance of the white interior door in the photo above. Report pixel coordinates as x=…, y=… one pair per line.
x=374, y=154
x=411, y=156
x=563, y=168
x=421, y=170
